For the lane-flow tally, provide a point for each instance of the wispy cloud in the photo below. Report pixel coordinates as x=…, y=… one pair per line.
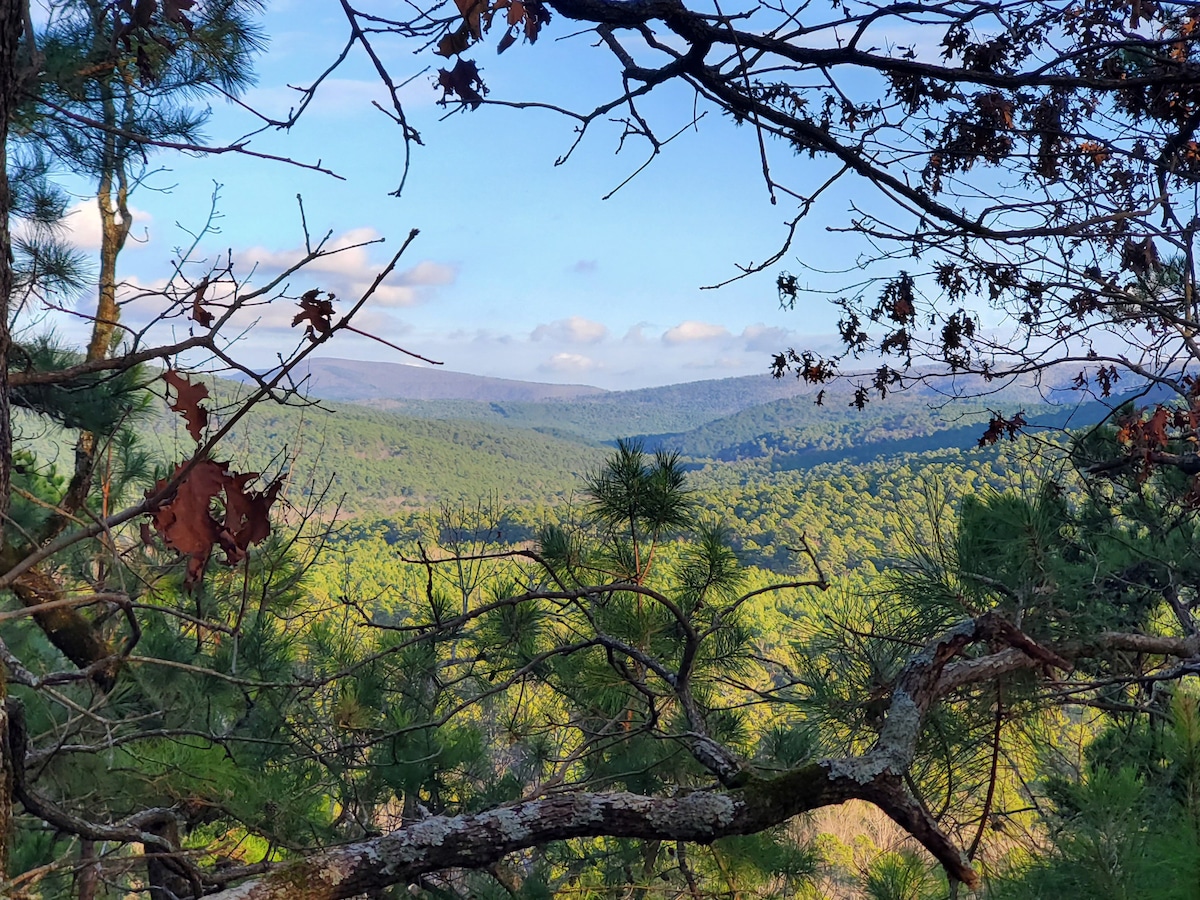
x=574, y=330
x=570, y=363
x=349, y=269
x=636, y=334
x=692, y=330
x=766, y=339
x=83, y=229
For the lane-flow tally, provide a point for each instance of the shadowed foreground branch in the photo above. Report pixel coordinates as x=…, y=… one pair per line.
x=476, y=841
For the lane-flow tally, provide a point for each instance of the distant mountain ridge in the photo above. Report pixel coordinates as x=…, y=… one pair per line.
x=384, y=453
x=356, y=381
x=359, y=381
x=701, y=418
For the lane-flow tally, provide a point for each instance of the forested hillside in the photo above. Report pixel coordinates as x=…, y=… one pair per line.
x=383, y=461
x=405, y=455
x=606, y=416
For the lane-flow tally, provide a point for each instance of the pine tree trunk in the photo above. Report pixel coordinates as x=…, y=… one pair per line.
x=6, y=779
x=12, y=21
x=88, y=878
x=11, y=24
x=115, y=222
x=163, y=879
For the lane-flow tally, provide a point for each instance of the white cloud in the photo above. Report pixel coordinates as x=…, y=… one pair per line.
x=575, y=330
x=719, y=366
x=691, y=330
x=636, y=334
x=390, y=295
x=348, y=270
x=428, y=273
x=766, y=339
x=83, y=225
x=347, y=255
x=570, y=362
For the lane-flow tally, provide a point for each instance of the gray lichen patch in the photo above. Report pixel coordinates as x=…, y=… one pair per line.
x=862, y=769
x=510, y=824
x=701, y=812
x=434, y=831
x=902, y=727
x=894, y=750
x=400, y=848
x=586, y=810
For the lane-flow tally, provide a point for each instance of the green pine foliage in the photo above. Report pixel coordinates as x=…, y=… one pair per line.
x=1128, y=827
x=441, y=656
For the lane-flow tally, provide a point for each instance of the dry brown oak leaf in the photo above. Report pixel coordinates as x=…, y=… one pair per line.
x=201, y=315
x=187, y=401
x=317, y=312
x=187, y=524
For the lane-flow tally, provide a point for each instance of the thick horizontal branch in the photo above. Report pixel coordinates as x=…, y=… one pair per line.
x=477, y=841
x=703, y=28
x=474, y=842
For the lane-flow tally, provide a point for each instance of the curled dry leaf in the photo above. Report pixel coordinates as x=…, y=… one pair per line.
x=472, y=12
x=462, y=81
x=190, y=520
x=317, y=312
x=173, y=12
x=201, y=315
x=1000, y=427
x=187, y=401
x=477, y=18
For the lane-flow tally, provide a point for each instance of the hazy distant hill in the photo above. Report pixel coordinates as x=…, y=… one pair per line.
x=396, y=452
x=612, y=414
x=354, y=380
x=796, y=432
x=716, y=418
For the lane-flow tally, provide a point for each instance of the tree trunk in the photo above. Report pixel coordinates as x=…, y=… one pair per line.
x=163, y=878
x=6, y=779
x=112, y=200
x=12, y=23
x=87, y=879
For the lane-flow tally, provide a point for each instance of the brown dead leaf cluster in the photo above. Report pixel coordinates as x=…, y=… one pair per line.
x=212, y=506
x=187, y=402
x=137, y=20
x=317, y=311
x=519, y=16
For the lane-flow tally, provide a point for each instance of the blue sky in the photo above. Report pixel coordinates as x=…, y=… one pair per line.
x=521, y=270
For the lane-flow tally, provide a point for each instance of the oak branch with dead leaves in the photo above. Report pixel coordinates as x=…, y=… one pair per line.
x=204, y=506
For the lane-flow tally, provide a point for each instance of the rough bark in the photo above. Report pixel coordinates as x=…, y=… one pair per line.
x=478, y=841
x=112, y=194
x=12, y=22
x=67, y=629
x=6, y=778
x=475, y=842
x=87, y=878
x=163, y=875
x=112, y=198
